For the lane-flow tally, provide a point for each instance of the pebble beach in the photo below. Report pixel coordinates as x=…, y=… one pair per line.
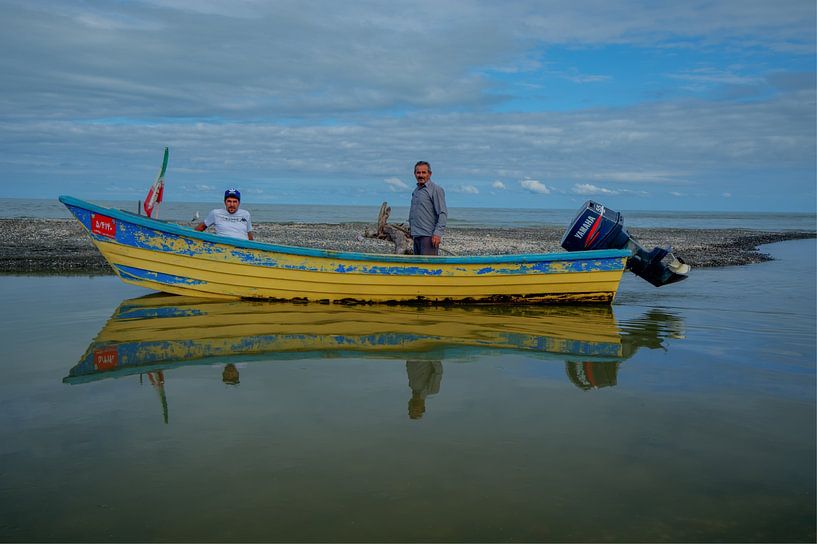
x=61, y=246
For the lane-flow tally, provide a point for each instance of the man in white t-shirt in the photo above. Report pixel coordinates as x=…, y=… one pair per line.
x=230, y=221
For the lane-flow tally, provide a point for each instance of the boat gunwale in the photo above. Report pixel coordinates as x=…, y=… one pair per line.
x=179, y=230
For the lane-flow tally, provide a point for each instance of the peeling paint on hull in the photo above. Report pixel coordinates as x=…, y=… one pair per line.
x=175, y=259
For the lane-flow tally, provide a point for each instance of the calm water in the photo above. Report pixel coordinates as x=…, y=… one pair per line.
x=462, y=217
x=686, y=413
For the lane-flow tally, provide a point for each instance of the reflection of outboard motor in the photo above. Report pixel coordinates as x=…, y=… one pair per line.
x=597, y=227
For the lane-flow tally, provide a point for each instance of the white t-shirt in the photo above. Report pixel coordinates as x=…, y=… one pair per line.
x=235, y=225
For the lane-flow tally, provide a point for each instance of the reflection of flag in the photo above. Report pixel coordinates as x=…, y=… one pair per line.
x=157, y=190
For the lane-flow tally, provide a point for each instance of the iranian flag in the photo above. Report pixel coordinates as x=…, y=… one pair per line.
x=154, y=197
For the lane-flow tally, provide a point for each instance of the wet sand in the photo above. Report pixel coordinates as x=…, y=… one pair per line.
x=61, y=246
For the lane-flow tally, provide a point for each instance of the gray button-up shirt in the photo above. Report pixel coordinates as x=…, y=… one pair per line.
x=428, y=212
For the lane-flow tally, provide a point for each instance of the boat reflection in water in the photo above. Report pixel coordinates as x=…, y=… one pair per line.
x=149, y=335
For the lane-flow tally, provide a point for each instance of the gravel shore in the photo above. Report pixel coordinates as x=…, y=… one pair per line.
x=61, y=246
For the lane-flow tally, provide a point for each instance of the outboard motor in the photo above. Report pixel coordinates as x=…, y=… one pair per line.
x=598, y=227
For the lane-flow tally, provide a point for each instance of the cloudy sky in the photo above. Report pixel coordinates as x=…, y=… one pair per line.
x=640, y=104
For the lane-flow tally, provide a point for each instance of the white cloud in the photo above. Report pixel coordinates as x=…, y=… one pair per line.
x=466, y=189
x=198, y=187
x=727, y=195
x=534, y=186
x=715, y=75
x=498, y=185
x=639, y=176
x=590, y=189
x=396, y=184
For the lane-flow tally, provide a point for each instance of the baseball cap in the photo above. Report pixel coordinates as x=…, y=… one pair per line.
x=232, y=193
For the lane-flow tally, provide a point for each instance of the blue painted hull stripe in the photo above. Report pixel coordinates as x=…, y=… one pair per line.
x=138, y=274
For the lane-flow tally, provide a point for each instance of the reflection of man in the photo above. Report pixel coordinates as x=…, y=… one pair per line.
x=230, y=374
x=424, y=379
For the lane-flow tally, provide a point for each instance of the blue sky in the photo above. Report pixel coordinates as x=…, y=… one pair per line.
x=697, y=105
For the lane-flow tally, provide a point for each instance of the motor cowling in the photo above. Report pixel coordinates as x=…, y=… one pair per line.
x=598, y=227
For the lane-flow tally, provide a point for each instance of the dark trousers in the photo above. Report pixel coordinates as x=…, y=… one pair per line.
x=423, y=246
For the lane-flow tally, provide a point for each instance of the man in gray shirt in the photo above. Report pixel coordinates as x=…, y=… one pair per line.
x=428, y=212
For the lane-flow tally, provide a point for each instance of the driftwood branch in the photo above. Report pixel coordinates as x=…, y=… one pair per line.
x=398, y=234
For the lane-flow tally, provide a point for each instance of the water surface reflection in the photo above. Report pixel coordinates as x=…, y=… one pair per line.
x=154, y=334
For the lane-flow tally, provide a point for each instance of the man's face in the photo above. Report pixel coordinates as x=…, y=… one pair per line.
x=231, y=203
x=422, y=174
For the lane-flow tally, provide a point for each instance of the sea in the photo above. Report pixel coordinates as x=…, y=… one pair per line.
x=457, y=217
x=686, y=413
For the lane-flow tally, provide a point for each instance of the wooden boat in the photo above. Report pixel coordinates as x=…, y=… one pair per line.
x=161, y=332
x=175, y=259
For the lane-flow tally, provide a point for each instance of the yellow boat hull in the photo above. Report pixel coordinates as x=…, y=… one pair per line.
x=174, y=259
